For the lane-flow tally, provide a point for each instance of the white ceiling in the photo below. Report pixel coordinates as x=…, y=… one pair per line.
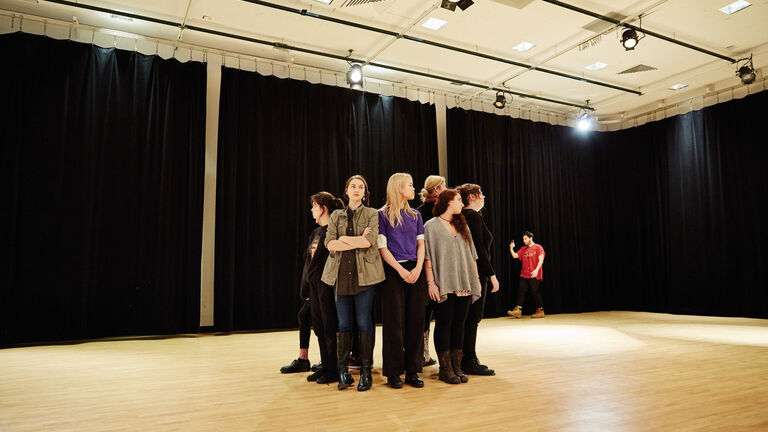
x=489, y=26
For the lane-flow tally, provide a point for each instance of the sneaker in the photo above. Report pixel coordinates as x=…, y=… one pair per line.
x=539, y=313
x=517, y=312
x=297, y=365
x=354, y=363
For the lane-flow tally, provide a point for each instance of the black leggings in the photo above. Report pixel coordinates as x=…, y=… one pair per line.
x=534, y=285
x=474, y=316
x=305, y=322
x=450, y=316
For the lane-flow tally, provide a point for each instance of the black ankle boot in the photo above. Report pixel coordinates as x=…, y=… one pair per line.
x=366, y=355
x=343, y=347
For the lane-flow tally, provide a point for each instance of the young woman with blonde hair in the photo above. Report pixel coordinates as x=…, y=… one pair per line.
x=433, y=185
x=354, y=268
x=403, y=293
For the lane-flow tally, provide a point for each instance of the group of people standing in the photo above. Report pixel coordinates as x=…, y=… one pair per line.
x=417, y=268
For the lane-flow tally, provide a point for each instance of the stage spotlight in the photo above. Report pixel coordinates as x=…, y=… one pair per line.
x=501, y=101
x=584, y=120
x=747, y=71
x=629, y=39
x=355, y=77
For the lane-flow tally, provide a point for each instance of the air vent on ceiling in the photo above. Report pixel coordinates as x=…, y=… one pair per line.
x=349, y=3
x=517, y=4
x=638, y=68
x=599, y=26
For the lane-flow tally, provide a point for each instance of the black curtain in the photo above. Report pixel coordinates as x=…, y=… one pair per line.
x=280, y=141
x=666, y=217
x=102, y=177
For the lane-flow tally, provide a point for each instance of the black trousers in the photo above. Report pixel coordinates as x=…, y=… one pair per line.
x=474, y=316
x=402, y=318
x=305, y=321
x=326, y=323
x=450, y=317
x=534, y=285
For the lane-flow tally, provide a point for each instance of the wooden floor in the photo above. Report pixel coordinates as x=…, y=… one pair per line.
x=606, y=371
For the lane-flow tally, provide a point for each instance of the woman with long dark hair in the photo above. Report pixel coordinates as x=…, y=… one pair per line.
x=403, y=293
x=354, y=268
x=321, y=296
x=452, y=280
x=473, y=199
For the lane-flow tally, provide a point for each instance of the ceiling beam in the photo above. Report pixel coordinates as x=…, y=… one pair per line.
x=640, y=29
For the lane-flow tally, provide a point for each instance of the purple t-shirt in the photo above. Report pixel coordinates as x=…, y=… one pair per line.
x=401, y=239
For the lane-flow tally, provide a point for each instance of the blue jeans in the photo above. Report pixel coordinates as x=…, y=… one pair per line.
x=360, y=305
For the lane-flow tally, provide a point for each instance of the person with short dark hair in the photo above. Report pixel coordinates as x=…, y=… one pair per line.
x=532, y=256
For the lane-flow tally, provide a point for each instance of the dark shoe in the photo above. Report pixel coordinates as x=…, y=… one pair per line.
x=327, y=379
x=413, y=380
x=314, y=376
x=472, y=366
x=395, y=382
x=456, y=363
x=297, y=365
x=366, y=355
x=316, y=367
x=446, y=373
x=343, y=347
x=430, y=362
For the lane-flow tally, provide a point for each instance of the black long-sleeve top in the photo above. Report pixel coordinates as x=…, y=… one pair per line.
x=314, y=264
x=482, y=238
x=426, y=210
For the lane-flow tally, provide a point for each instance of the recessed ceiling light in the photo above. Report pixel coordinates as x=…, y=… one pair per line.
x=325, y=1
x=433, y=24
x=678, y=86
x=735, y=7
x=523, y=46
x=596, y=66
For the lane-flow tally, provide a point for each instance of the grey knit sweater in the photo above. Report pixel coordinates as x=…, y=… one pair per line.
x=453, y=261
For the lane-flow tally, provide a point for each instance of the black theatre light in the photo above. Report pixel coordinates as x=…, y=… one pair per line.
x=501, y=101
x=448, y=4
x=355, y=77
x=629, y=39
x=747, y=71
x=464, y=4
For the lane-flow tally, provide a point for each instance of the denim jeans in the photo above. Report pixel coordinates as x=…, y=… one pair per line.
x=360, y=305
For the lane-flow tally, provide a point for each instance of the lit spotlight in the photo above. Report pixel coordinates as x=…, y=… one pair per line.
x=355, y=77
x=501, y=101
x=584, y=120
x=629, y=39
x=747, y=71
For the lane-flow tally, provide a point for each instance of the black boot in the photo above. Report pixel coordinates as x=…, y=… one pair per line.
x=343, y=347
x=366, y=355
x=471, y=366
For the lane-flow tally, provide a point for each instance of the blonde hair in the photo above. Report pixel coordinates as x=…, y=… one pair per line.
x=395, y=200
x=430, y=184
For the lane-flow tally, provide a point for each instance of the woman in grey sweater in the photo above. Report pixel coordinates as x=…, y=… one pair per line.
x=452, y=279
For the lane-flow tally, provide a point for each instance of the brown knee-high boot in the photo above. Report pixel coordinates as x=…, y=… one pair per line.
x=446, y=373
x=456, y=363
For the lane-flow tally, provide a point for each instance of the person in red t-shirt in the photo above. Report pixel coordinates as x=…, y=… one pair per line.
x=532, y=256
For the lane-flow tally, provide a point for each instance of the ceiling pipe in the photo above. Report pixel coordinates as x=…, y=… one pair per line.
x=313, y=52
x=396, y=35
x=630, y=26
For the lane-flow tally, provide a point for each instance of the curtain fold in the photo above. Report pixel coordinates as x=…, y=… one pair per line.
x=102, y=165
